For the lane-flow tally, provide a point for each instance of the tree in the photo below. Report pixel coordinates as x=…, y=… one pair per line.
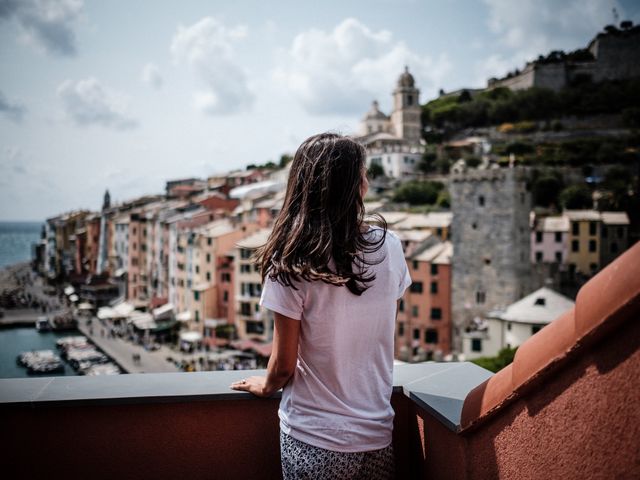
x=545, y=189
x=576, y=197
x=427, y=162
x=284, y=159
x=418, y=193
x=495, y=364
x=375, y=170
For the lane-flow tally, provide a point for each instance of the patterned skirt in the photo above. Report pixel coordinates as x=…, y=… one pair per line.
x=303, y=461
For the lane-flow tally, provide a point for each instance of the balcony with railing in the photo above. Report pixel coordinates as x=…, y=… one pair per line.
x=567, y=407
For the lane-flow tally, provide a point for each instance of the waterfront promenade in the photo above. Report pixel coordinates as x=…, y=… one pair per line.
x=122, y=352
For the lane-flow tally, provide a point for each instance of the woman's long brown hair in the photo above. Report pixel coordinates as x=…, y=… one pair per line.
x=322, y=218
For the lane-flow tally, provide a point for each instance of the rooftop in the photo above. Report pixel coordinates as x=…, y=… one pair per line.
x=540, y=307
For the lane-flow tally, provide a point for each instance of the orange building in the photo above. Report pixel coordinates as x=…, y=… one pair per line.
x=423, y=330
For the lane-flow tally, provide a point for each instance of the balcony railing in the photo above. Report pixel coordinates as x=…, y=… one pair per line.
x=188, y=425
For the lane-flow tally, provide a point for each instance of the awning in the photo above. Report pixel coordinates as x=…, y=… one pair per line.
x=85, y=306
x=123, y=310
x=105, y=313
x=165, y=311
x=190, y=336
x=184, y=316
x=263, y=349
x=74, y=298
x=69, y=290
x=200, y=287
x=120, y=272
x=214, y=322
x=143, y=321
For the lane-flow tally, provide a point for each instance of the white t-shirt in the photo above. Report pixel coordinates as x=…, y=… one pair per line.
x=339, y=397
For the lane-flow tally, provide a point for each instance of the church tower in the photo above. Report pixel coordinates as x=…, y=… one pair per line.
x=106, y=203
x=405, y=117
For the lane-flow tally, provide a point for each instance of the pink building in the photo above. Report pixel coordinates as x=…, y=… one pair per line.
x=549, y=240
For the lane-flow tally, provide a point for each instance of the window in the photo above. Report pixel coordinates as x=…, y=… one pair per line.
x=208, y=258
x=225, y=296
x=476, y=345
x=593, y=228
x=480, y=297
x=196, y=296
x=245, y=253
x=593, y=267
x=409, y=100
x=481, y=200
x=575, y=228
x=592, y=245
x=209, y=241
x=575, y=245
x=436, y=313
x=604, y=231
x=538, y=237
x=509, y=326
x=559, y=257
x=414, y=310
x=401, y=329
x=255, y=327
x=401, y=306
x=197, y=316
x=197, y=269
x=208, y=276
x=415, y=265
x=538, y=257
x=558, y=237
x=245, y=268
x=434, y=269
x=245, y=308
x=540, y=301
x=416, y=287
x=416, y=333
x=431, y=335
x=613, y=248
x=535, y=329
x=434, y=287
x=226, y=277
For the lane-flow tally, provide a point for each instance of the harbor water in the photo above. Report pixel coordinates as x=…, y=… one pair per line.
x=16, y=239
x=14, y=341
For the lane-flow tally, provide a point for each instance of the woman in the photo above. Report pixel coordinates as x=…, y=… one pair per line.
x=332, y=283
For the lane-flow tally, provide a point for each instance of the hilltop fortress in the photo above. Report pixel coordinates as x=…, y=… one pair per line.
x=613, y=54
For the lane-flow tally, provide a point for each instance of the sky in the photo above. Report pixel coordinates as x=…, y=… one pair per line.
x=124, y=95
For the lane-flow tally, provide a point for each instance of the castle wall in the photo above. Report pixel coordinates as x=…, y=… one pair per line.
x=491, y=241
x=617, y=56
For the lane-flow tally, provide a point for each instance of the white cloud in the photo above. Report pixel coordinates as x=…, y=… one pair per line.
x=87, y=102
x=525, y=29
x=207, y=47
x=47, y=24
x=341, y=71
x=12, y=110
x=151, y=76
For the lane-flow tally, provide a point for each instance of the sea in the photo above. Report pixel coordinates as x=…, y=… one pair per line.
x=16, y=239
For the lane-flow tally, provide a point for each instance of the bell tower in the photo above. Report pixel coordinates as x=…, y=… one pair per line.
x=405, y=117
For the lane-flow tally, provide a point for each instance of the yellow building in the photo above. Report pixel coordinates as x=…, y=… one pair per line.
x=252, y=322
x=584, y=241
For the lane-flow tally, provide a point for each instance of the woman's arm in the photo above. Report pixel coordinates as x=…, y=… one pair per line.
x=282, y=363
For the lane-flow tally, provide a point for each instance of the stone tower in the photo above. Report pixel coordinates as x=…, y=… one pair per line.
x=405, y=117
x=491, y=243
